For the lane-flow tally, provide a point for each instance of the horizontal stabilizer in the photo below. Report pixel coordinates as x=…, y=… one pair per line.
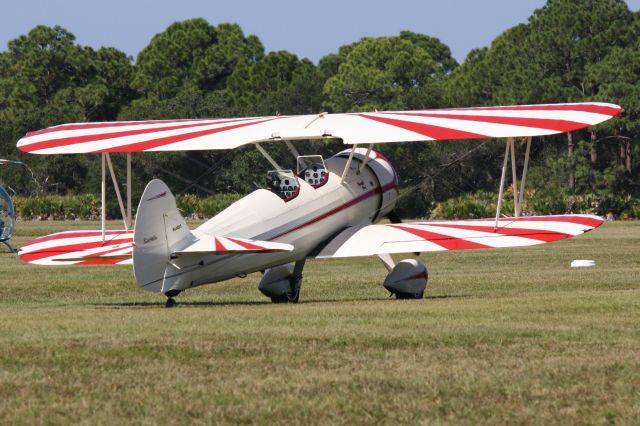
x=80, y=248
x=230, y=245
x=456, y=235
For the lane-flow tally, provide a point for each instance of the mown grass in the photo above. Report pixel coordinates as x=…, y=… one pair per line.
x=503, y=337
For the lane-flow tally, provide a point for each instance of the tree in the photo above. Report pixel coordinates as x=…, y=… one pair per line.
x=192, y=55
x=46, y=79
x=387, y=73
x=278, y=83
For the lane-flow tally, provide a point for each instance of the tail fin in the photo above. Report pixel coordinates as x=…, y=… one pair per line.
x=159, y=227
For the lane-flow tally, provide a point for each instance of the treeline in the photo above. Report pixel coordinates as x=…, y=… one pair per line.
x=568, y=51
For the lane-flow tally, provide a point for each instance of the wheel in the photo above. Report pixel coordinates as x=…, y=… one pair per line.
x=291, y=296
x=409, y=295
x=171, y=303
x=294, y=294
x=280, y=299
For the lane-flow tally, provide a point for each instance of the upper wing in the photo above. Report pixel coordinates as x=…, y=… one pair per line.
x=353, y=128
x=456, y=235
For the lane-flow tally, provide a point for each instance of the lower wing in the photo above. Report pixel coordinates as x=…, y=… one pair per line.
x=456, y=235
x=80, y=248
x=89, y=248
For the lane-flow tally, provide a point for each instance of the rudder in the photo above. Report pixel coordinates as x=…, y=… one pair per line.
x=159, y=227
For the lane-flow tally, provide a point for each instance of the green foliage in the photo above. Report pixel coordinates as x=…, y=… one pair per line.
x=478, y=205
x=194, y=207
x=569, y=50
x=192, y=55
x=277, y=83
x=387, y=73
x=483, y=204
x=87, y=206
x=57, y=207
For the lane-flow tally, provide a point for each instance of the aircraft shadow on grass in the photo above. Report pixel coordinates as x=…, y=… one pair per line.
x=203, y=303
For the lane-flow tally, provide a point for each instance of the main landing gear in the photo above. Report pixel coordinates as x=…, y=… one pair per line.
x=407, y=279
x=282, y=283
x=171, y=302
x=11, y=249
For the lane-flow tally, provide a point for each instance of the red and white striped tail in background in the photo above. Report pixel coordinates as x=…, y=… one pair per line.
x=373, y=127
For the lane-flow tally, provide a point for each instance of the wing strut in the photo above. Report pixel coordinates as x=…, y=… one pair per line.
x=518, y=196
x=293, y=149
x=118, y=196
x=348, y=165
x=366, y=158
x=126, y=213
x=266, y=155
x=103, y=199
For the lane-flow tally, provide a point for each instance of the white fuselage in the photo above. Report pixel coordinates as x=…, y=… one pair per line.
x=367, y=194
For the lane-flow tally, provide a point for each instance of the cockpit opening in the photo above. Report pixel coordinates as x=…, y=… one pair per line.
x=284, y=183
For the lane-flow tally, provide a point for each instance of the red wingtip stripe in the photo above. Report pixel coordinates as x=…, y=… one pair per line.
x=535, y=234
x=101, y=125
x=594, y=108
x=80, y=234
x=590, y=221
x=74, y=140
x=64, y=249
x=538, y=123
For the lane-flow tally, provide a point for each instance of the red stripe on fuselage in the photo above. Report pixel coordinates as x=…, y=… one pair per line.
x=338, y=209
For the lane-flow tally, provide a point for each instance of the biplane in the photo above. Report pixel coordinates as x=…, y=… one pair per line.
x=320, y=208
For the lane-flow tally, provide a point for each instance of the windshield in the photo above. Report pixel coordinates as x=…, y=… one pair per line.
x=312, y=169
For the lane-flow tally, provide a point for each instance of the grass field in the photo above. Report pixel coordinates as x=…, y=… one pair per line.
x=502, y=337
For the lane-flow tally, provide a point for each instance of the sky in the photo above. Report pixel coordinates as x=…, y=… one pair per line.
x=305, y=28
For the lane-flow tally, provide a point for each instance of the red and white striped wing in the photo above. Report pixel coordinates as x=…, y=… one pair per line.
x=460, y=235
x=230, y=245
x=375, y=127
x=80, y=248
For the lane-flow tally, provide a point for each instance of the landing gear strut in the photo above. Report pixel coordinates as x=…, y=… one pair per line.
x=293, y=294
x=171, y=302
x=11, y=249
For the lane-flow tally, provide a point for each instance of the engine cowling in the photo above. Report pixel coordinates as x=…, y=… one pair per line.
x=408, y=279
